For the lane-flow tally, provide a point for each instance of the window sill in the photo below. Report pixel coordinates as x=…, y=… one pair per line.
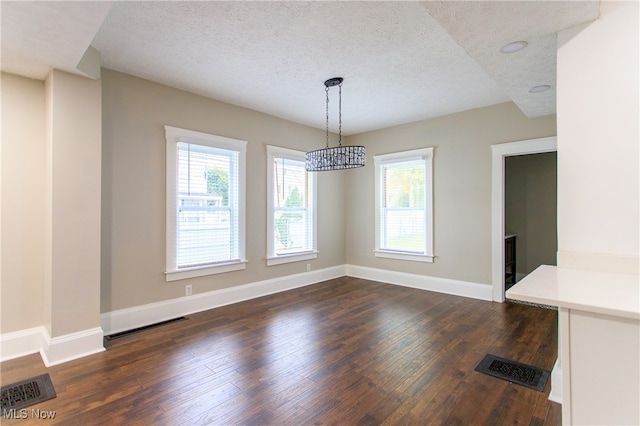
x=288, y=258
x=183, y=274
x=414, y=257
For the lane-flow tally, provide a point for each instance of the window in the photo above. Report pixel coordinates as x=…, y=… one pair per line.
x=205, y=204
x=291, y=207
x=404, y=205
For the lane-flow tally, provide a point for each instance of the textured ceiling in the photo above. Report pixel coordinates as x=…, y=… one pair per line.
x=38, y=36
x=401, y=61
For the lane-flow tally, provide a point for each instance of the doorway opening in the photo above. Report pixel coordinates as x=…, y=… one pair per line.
x=499, y=153
x=530, y=211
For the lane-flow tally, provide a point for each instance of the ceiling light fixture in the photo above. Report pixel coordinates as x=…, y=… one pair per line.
x=513, y=47
x=539, y=89
x=339, y=157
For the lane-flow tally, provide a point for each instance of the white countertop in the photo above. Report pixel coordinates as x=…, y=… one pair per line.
x=599, y=292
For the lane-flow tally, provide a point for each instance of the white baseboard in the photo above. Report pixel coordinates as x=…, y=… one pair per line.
x=58, y=350
x=423, y=282
x=21, y=343
x=555, y=394
x=140, y=316
x=52, y=350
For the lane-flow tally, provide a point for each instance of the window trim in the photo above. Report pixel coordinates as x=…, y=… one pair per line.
x=425, y=154
x=174, y=135
x=272, y=258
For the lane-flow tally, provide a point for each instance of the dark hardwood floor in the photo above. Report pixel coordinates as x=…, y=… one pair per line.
x=342, y=352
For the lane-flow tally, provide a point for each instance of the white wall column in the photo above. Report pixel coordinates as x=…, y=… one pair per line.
x=72, y=228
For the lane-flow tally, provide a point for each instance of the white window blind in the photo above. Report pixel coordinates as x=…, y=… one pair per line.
x=205, y=204
x=207, y=210
x=404, y=205
x=291, y=207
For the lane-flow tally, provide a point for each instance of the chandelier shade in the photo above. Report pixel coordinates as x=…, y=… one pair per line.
x=338, y=157
x=335, y=158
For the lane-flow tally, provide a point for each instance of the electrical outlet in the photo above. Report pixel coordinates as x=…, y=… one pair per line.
x=308, y=267
x=188, y=290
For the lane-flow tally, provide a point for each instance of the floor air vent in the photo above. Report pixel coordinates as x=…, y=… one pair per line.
x=139, y=329
x=27, y=392
x=522, y=374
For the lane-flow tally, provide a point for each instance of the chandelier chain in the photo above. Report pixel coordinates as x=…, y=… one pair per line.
x=340, y=114
x=326, y=90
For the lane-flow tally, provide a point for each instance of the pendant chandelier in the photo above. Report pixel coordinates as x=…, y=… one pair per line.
x=339, y=157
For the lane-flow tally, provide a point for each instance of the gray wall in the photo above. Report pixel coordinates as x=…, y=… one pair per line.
x=133, y=189
x=22, y=227
x=531, y=209
x=462, y=187
x=134, y=112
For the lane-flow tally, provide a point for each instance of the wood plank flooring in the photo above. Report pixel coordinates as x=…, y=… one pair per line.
x=342, y=352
